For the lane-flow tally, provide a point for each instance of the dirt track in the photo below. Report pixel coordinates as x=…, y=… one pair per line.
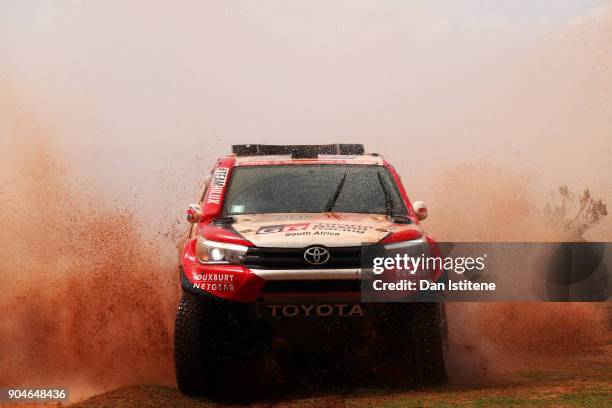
x=581, y=382
x=581, y=388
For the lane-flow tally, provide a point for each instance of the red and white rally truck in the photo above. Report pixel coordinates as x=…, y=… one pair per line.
x=274, y=253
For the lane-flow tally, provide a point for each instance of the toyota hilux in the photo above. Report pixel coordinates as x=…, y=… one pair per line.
x=274, y=253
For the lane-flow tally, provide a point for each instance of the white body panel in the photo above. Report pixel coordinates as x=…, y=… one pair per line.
x=328, y=229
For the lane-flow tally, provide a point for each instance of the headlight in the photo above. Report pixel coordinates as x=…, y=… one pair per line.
x=212, y=252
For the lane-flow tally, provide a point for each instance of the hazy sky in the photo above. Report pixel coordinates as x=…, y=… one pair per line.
x=136, y=91
x=28, y=10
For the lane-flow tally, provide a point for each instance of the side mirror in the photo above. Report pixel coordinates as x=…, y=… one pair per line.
x=194, y=213
x=420, y=209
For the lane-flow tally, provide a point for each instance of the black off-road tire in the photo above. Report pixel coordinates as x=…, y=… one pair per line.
x=194, y=370
x=216, y=347
x=429, y=343
x=414, y=346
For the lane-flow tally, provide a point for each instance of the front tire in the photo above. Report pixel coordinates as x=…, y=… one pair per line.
x=429, y=339
x=415, y=344
x=194, y=370
x=216, y=346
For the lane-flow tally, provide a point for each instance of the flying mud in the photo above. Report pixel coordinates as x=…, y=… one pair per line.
x=86, y=300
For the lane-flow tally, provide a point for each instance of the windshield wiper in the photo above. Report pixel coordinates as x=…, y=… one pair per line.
x=332, y=201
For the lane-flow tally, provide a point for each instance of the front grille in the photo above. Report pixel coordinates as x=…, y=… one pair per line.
x=293, y=258
x=312, y=286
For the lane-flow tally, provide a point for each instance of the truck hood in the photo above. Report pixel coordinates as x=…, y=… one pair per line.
x=297, y=230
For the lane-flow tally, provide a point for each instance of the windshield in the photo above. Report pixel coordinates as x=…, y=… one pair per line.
x=313, y=189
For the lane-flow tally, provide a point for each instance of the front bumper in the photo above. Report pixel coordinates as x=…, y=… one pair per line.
x=239, y=284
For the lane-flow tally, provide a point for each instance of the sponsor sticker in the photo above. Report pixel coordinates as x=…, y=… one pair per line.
x=321, y=228
x=220, y=282
x=272, y=229
x=327, y=226
x=217, y=185
x=237, y=209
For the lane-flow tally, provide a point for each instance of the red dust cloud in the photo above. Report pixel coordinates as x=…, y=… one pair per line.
x=492, y=338
x=85, y=299
x=88, y=300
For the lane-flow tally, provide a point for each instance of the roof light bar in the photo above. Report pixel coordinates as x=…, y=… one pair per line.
x=297, y=151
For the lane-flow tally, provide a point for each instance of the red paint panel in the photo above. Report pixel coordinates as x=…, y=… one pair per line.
x=402, y=190
x=215, y=193
x=230, y=282
x=407, y=234
x=215, y=233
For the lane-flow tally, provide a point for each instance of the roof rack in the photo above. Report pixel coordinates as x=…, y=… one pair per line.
x=297, y=151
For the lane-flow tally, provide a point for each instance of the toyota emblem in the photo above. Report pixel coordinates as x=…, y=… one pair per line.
x=316, y=255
